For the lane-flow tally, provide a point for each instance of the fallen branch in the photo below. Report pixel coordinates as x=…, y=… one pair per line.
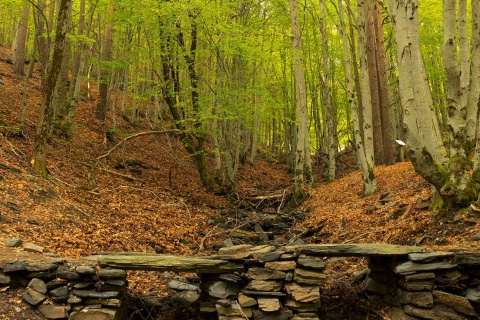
x=126, y=176
x=135, y=136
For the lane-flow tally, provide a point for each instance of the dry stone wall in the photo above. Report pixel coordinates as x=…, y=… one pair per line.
x=259, y=283
x=433, y=285
x=61, y=289
x=276, y=284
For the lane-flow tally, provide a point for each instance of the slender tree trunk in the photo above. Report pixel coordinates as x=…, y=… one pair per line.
x=388, y=146
x=104, y=68
x=19, y=52
x=80, y=58
x=42, y=36
x=327, y=98
x=472, y=123
x=370, y=184
x=46, y=111
x=302, y=134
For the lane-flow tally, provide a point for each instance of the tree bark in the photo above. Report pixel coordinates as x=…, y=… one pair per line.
x=302, y=134
x=102, y=104
x=19, y=52
x=327, y=99
x=46, y=111
x=369, y=181
x=422, y=131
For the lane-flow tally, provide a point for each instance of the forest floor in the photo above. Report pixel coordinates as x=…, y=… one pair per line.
x=147, y=197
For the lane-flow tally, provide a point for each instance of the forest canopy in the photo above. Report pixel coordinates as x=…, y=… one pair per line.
x=300, y=81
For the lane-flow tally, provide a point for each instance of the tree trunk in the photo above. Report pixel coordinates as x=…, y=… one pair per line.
x=422, y=130
x=42, y=37
x=302, y=135
x=19, y=52
x=327, y=99
x=459, y=185
x=46, y=111
x=102, y=104
x=369, y=181
x=388, y=146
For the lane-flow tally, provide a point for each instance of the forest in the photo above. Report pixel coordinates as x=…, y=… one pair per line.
x=168, y=126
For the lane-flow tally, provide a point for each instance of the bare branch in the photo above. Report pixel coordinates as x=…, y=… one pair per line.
x=135, y=136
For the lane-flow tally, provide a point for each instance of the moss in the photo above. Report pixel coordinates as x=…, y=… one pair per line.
x=371, y=174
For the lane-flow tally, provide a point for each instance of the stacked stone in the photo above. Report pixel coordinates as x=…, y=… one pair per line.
x=432, y=286
x=60, y=291
x=277, y=284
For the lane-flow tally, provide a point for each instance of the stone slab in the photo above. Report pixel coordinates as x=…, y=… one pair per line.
x=458, y=303
x=269, y=304
x=354, y=250
x=425, y=257
x=468, y=258
x=412, y=267
x=167, y=263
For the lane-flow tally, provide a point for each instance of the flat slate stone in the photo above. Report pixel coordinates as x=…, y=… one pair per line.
x=93, y=314
x=231, y=277
x=68, y=275
x=277, y=315
x=421, y=298
x=95, y=294
x=420, y=276
x=39, y=266
x=303, y=293
x=267, y=257
x=37, y=285
x=60, y=293
x=468, y=258
x=222, y=289
x=311, y=262
x=85, y=270
x=263, y=293
x=429, y=256
x=33, y=297
x=458, y=303
x=354, y=250
x=265, y=274
x=302, y=306
x=161, y=262
x=14, y=266
x=234, y=310
x=430, y=314
x=269, y=304
x=281, y=265
x=52, y=311
x=246, y=301
x=13, y=242
x=421, y=285
x=309, y=277
x=112, y=274
x=30, y=247
x=264, y=285
x=412, y=267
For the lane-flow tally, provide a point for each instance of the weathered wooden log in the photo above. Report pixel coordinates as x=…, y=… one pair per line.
x=354, y=250
x=160, y=262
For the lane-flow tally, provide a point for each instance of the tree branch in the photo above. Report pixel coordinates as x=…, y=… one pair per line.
x=135, y=136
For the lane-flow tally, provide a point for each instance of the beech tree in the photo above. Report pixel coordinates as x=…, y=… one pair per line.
x=46, y=108
x=447, y=172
